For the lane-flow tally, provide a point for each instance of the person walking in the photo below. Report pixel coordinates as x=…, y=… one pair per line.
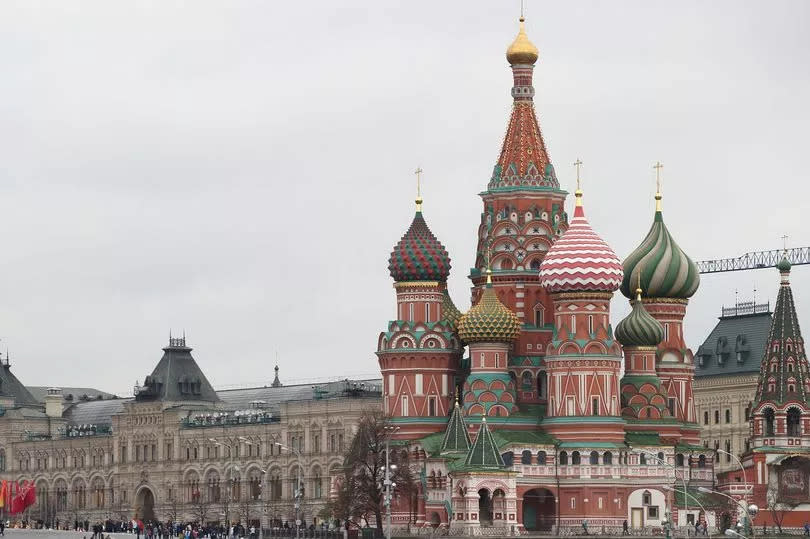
x=585, y=526
x=807, y=528
x=625, y=530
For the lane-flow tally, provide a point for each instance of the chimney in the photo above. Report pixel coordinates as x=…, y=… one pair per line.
x=53, y=402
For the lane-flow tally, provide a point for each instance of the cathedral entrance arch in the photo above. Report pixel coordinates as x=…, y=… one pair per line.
x=539, y=509
x=484, y=507
x=145, y=504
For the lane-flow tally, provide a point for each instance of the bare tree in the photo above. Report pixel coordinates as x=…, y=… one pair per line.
x=200, y=508
x=778, y=506
x=362, y=492
x=172, y=507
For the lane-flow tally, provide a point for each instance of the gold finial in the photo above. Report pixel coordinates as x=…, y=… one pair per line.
x=638, y=285
x=578, y=192
x=522, y=51
x=658, y=166
x=418, y=173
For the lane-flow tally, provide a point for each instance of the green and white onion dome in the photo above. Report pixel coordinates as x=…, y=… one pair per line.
x=489, y=320
x=639, y=328
x=664, y=269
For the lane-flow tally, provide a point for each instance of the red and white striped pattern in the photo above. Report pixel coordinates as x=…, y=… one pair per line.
x=580, y=261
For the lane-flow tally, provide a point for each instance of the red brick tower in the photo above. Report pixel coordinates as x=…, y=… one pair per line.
x=583, y=360
x=668, y=278
x=419, y=353
x=523, y=216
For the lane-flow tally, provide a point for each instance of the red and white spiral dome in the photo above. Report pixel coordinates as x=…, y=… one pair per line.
x=580, y=261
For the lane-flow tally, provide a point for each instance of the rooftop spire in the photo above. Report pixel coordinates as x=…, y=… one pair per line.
x=276, y=381
x=484, y=451
x=658, y=166
x=418, y=173
x=456, y=437
x=578, y=192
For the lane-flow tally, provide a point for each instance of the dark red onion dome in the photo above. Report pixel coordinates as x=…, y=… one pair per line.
x=580, y=260
x=419, y=256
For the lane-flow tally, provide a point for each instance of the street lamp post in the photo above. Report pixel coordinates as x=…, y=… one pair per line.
x=230, y=480
x=298, y=488
x=749, y=511
x=745, y=482
x=389, y=485
x=247, y=441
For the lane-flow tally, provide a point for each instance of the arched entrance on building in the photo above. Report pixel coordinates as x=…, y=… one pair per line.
x=145, y=505
x=539, y=510
x=484, y=507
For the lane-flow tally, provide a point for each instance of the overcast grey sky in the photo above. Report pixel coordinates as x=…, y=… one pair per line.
x=242, y=169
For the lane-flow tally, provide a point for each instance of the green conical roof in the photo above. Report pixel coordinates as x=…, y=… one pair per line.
x=456, y=437
x=665, y=270
x=484, y=451
x=639, y=328
x=450, y=312
x=783, y=373
x=489, y=320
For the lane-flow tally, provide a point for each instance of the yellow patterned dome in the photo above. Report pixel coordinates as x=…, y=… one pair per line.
x=522, y=51
x=489, y=320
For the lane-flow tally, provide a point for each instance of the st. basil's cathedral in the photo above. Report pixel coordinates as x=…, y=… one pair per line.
x=555, y=415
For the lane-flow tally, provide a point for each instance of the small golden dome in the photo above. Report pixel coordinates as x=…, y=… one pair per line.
x=522, y=51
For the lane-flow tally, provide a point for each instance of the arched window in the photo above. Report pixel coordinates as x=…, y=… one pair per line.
x=794, y=427
x=526, y=457
x=728, y=415
x=563, y=458
x=594, y=459
x=646, y=498
x=660, y=459
x=642, y=459
x=508, y=458
x=541, y=457
x=2, y=460
x=316, y=485
x=679, y=459
x=575, y=458
x=535, y=264
x=702, y=461
x=541, y=384
x=607, y=458
x=768, y=416
x=526, y=381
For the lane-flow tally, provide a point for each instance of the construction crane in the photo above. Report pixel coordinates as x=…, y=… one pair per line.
x=756, y=260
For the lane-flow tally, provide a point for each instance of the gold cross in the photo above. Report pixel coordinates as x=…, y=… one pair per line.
x=418, y=173
x=658, y=166
x=784, y=243
x=578, y=164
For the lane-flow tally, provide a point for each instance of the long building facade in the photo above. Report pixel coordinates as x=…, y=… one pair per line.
x=537, y=427
x=178, y=450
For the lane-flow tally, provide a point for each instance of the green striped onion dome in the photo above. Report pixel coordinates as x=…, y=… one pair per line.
x=639, y=328
x=419, y=256
x=784, y=265
x=666, y=271
x=489, y=320
x=450, y=312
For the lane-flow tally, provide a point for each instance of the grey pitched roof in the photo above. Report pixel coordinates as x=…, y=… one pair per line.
x=177, y=378
x=272, y=397
x=747, y=334
x=94, y=412
x=76, y=393
x=10, y=386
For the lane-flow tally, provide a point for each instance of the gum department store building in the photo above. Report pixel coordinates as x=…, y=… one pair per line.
x=178, y=450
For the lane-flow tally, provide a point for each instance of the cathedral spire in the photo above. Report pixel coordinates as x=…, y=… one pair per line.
x=783, y=375
x=524, y=161
x=456, y=438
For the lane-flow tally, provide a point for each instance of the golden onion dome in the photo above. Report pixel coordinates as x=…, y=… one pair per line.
x=522, y=51
x=489, y=320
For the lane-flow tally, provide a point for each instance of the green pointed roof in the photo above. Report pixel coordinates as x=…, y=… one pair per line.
x=484, y=451
x=784, y=364
x=639, y=328
x=665, y=270
x=456, y=437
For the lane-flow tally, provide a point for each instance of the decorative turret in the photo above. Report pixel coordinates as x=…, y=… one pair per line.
x=489, y=320
x=668, y=278
x=420, y=352
x=490, y=328
x=522, y=51
x=782, y=404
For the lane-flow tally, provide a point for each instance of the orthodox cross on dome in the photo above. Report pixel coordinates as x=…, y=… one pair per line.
x=784, y=242
x=578, y=192
x=418, y=173
x=578, y=164
x=658, y=166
